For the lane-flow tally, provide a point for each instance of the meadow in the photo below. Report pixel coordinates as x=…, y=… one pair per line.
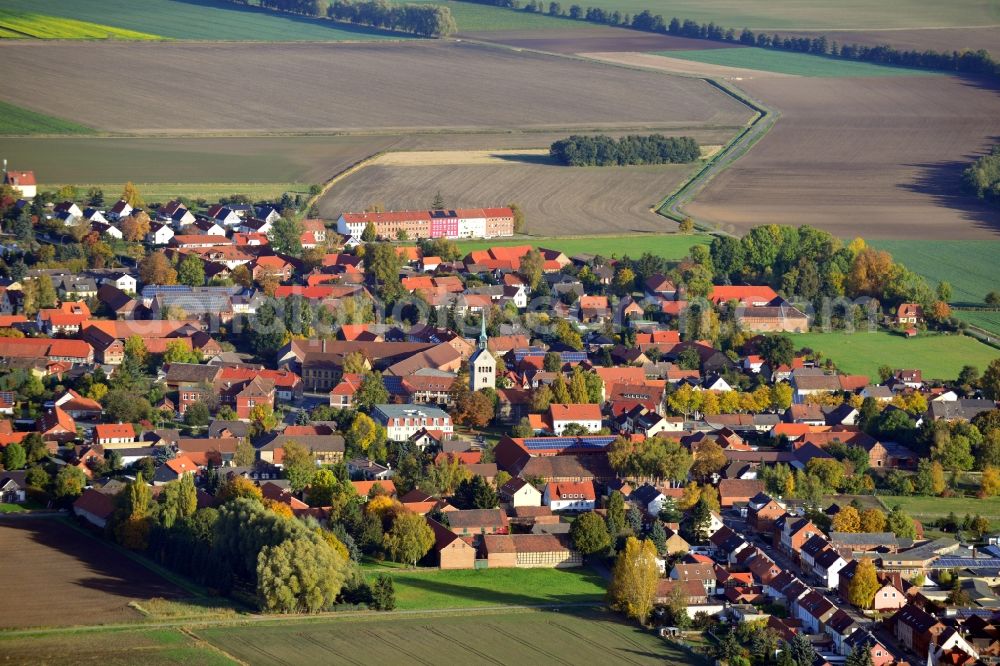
x=970, y=267
x=40, y=26
x=502, y=638
x=771, y=15
x=926, y=509
x=668, y=246
x=787, y=62
x=15, y=120
x=938, y=356
x=984, y=319
x=472, y=17
x=432, y=589
x=157, y=646
x=212, y=20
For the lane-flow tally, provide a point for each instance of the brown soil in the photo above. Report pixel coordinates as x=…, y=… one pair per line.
x=681, y=66
x=556, y=200
x=876, y=157
x=596, y=38
x=345, y=87
x=54, y=576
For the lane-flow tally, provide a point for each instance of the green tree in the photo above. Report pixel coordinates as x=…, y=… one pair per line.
x=369, y=234
x=531, y=268
x=47, y=297
x=362, y=433
x=801, y=650
x=634, y=579
x=197, y=415
x=245, y=454
x=299, y=465
x=322, y=488
x=286, y=236
x=900, y=524
x=301, y=574
x=990, y=382
x=519, y=221
x=777, y=350
x=616, y=513
x=191, y=271
x=371, y=392
x=69, y=483
x=383, y=593
x=590, y=534
x=437, y=203
x=382, y=264
x=475, y=493
x=262, y=419
x=14, y=457
x=410, y=538
x=180, y=500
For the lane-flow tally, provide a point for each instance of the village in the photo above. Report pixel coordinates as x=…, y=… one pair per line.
x=505, y=407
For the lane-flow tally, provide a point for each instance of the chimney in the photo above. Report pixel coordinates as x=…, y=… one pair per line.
x=324, y=345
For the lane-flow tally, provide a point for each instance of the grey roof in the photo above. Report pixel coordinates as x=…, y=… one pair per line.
x=408, y=410
x=965, y=409
x=311, y=442
x=863, y=539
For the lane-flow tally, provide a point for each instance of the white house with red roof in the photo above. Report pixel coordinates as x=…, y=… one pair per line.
x=565, y=496
x=111, y=435
x=22, y=181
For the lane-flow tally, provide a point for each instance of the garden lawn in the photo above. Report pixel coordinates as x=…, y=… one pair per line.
x=16, y=121
x=427, y=589
x=938, y=356
x=161, y=192
x=929, y=508
x=213, y=20
x=789, y=62
x=969, y=266
x=668, y=246
x=42, y=26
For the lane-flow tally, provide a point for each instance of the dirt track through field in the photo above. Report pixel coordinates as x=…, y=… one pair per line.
x=872, y=157
x=195, y=87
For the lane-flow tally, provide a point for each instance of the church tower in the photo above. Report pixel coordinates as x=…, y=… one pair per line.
x=482, y=365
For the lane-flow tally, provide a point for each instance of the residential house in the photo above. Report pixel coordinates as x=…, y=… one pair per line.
x=95, y=507
x=114, y=435
x=517, y=493
x=702, y=573
x=738, y=491
x=56, y=426
x=450, y=550
x=471, y=522
x=530, y=551
x=402, y=421
x=915, y=629
x=563, y=496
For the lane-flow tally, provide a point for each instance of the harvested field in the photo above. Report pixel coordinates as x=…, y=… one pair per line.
x=60, y=577
x=575, y=635
x=577, y=37
x=326, y=82
x=556, y=200
x=872, y=157
x=681, y=66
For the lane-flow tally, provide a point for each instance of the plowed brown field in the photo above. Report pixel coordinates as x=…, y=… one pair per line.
x=52, y=575
x=196, y=87
x=876, y=157
x=556, y=200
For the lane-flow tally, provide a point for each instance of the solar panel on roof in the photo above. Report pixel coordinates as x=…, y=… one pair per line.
x=962, y=562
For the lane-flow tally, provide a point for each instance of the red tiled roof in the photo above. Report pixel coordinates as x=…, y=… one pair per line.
x=114, y=431
x=573, y=490
x=574, y=412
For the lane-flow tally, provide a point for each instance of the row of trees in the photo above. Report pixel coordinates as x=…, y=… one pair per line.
x=417, y=19
x=602, y=150
x=982, y=177
x=974, y=62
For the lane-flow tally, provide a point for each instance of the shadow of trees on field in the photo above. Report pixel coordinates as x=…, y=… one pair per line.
x=100, y=567
x=942, y=181
x=325, y=23
x=527, y=158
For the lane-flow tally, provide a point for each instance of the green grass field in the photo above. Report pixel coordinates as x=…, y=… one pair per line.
x=531, y=637
x=157, y=646
x=969, y=266
x=41, y=26
x=18, y=121
x=472, y=17
x=986, y=320
x=214, y=20
x=938, y=356
x=787, y=62
x=774, y=15
x=929, y=508
x=668, y=246
x=161, y=192
x=429, y=589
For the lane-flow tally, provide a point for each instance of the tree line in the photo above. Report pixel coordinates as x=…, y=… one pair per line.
x=602, y=150
x=970, y=62
x=982, y=177
x=424, y=20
